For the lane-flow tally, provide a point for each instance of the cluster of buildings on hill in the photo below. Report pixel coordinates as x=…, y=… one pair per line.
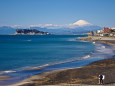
x=104, y=32
x=30, y=32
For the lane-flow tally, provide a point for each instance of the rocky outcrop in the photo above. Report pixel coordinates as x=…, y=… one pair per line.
x=30, y=32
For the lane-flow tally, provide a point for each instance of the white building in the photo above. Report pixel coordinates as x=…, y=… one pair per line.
x=113, y=28
x=99, y=31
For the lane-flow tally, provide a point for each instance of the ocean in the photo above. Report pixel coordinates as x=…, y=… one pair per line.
x=19, y=53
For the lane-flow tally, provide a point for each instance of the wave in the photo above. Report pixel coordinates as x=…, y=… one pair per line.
x=101, y=51
x=71, y=40
x=88, y=56
x=103, y=47
x=28, y=40
x=64, y=62
x=8, y=71
x=47, y=65
x=41, y=66
x=93, y=42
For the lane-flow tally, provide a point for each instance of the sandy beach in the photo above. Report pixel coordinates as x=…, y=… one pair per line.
x=82, y=76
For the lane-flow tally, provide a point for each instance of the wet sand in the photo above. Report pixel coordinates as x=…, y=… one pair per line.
x=3, y=77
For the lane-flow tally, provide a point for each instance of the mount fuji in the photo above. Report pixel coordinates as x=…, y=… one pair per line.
x=82, y=23
x=79, y=27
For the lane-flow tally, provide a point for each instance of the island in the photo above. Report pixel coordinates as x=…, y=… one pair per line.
x=30, y=32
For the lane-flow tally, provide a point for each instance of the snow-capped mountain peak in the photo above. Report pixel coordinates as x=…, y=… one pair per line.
x=82, y=23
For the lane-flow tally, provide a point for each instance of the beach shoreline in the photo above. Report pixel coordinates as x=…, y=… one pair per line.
x=4, y=77
x=105, y=40
x=82, y=75
x=53, y=77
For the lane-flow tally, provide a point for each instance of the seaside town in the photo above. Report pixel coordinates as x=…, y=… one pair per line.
x=106, y=36
x=107, y=31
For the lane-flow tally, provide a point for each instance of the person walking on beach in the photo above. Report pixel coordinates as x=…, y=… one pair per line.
x=100, y=79
x=103, y=78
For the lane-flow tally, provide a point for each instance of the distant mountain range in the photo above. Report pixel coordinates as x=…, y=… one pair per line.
x=78, y=30
x=7, y=30
x=78, y=27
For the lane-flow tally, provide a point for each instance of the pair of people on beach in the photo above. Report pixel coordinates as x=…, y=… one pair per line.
x=101, y=79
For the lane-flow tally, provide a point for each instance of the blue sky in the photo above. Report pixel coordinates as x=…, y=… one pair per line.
x=33, y=12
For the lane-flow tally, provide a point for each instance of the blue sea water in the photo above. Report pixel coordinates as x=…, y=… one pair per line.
x=53, y=52
x=17, y=51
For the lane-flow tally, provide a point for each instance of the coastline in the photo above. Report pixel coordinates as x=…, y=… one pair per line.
x=105, y=40
x=84, y=75
x=87, y=75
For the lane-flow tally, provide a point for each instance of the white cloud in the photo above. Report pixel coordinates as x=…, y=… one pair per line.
x=47, y=25
x=17, y=26
x=39, y=25
x=79, y=23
